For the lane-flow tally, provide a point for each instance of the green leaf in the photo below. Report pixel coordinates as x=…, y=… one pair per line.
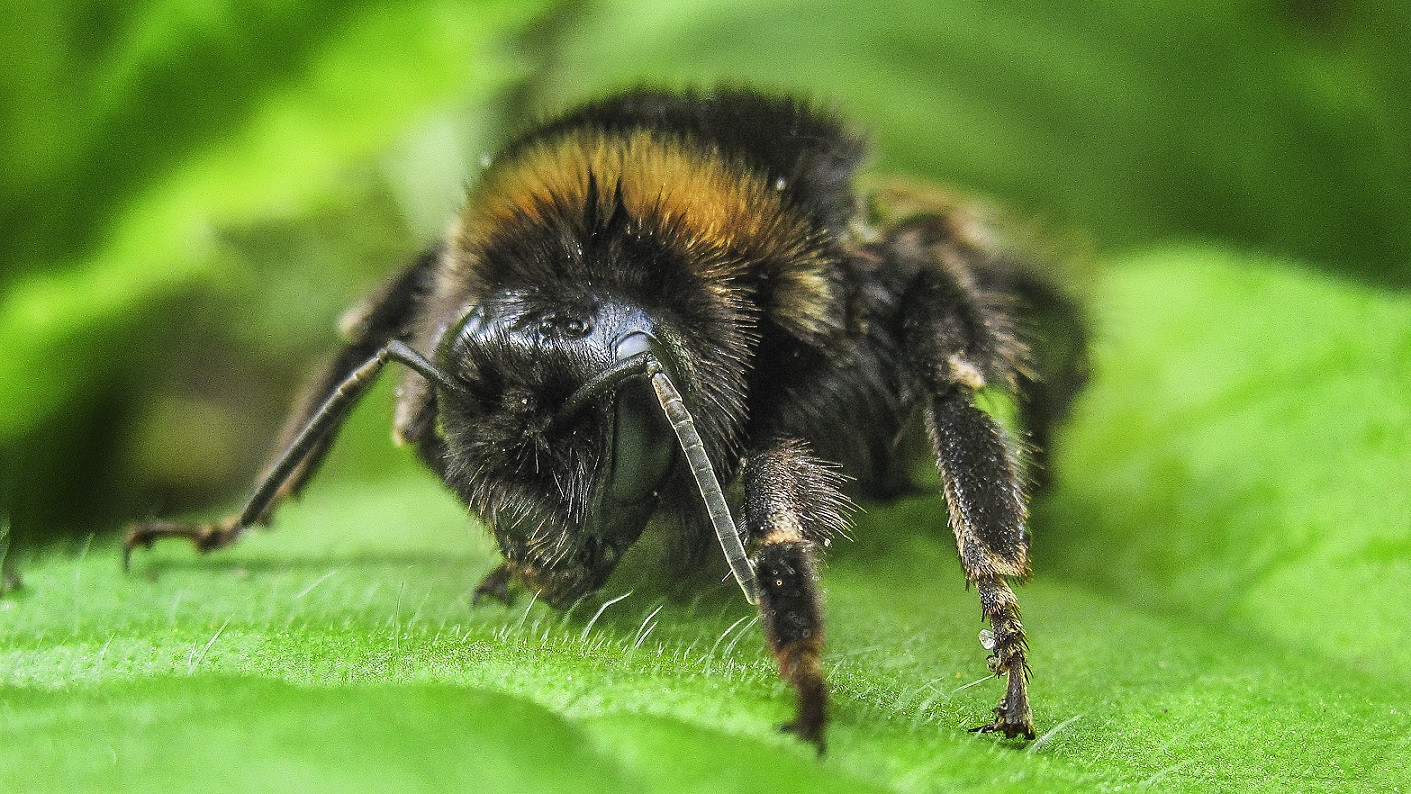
x=1219, y=604
x=185, y=735
x=1242, y=457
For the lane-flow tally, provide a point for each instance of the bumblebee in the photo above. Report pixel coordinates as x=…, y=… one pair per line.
x=658, y=293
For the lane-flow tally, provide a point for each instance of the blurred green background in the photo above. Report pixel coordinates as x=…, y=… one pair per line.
x=192, y=191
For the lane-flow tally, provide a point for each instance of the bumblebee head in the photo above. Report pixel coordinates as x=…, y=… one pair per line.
x=556, y=437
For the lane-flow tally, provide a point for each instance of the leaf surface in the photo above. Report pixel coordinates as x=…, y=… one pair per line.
x=1219, y=603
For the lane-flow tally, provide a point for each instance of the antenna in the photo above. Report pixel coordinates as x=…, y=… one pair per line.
x=709, y=486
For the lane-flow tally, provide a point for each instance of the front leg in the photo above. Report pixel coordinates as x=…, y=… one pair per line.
x=792, y=503
x=312, y=439
x=376, y=333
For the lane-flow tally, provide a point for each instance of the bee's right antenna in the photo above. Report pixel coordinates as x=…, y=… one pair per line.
x=706, y=481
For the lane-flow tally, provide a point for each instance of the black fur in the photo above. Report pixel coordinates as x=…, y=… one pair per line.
x=813, y=152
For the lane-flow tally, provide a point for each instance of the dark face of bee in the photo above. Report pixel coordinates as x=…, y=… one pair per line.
x=560, y=447
x=576, y=254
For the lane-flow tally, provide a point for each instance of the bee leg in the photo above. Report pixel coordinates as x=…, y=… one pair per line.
x=313, y=437
x=208, y=537
x=1013, y=716
x=384, y=317
x=960, y=336
x=792, y=503
x=987, y=514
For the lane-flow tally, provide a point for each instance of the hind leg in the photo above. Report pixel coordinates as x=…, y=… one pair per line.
x=959, y=337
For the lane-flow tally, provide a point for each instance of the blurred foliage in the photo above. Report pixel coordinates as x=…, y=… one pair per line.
x=193, y=190
x=1284, y=125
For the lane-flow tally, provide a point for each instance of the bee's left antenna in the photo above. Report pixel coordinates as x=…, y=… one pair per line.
x=706, y=481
